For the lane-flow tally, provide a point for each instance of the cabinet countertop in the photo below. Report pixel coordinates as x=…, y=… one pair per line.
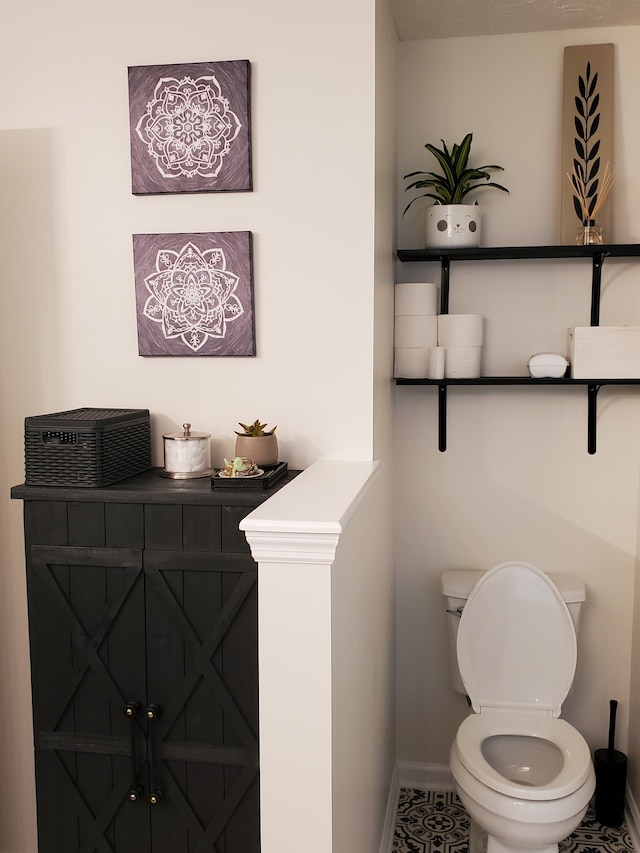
x=150, y=487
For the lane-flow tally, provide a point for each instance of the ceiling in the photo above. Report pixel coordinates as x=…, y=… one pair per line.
x=437, y=19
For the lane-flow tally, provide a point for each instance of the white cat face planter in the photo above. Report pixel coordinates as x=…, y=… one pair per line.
x=453, y=225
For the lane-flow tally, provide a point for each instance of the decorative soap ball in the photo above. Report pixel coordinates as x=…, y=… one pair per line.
x=547, y=365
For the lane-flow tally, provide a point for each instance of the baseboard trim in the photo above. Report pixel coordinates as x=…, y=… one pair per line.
x=386, y=845
x=425, y=777
x=632, y=819
x=411, y=774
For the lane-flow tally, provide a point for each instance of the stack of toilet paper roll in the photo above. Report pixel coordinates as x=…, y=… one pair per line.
x=460, y=338
x=415, y=328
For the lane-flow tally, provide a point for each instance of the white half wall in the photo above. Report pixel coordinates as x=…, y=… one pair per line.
x=326, y=656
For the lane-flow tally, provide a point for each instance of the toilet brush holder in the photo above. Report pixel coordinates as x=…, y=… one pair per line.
x=611, y=777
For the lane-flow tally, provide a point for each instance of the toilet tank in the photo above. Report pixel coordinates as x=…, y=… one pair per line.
x=456, y=588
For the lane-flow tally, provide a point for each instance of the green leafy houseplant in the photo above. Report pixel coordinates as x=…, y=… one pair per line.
x=457, y=180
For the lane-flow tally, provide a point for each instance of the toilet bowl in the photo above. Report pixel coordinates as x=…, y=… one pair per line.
x=524, y=776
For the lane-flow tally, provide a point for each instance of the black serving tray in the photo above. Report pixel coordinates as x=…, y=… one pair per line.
x=272, y=474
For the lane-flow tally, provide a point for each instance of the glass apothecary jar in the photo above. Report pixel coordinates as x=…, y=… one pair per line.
x=187, y=454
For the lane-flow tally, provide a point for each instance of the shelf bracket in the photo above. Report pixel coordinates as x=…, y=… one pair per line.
x=442, y=418
x=445, y=266
x=592, y=417
x=596, y=283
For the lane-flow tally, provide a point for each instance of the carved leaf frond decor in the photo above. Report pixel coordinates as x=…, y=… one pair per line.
x=590, y=192
x=587, y=138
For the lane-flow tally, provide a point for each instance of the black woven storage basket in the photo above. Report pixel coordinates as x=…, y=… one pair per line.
x=86, y=447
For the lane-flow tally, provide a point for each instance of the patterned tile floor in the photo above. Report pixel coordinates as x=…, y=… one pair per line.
x=435, y=822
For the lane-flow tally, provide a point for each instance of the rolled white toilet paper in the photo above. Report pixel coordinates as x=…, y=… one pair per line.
x=460, y=330
x=436, y=363
x=411, y=362
x=415, y=297
x=462, y=362
x=416, y=331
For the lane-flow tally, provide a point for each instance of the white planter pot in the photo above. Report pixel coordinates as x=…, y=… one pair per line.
x=451, y=225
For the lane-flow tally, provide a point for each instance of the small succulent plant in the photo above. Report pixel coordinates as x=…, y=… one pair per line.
x=255, y=429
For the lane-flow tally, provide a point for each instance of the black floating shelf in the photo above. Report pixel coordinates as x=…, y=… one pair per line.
x=517, y=380
x=593, y=386
x=514, y=253
x=595, y=253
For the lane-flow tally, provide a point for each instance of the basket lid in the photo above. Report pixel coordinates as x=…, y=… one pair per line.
x=86, y=418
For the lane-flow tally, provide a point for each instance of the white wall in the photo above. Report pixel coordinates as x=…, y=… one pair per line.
x=68, y=330
x=516, y=480
x=311, y=213
x=385, y=192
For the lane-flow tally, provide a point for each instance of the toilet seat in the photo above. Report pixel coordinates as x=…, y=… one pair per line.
x=516, y=642
x=476, y=728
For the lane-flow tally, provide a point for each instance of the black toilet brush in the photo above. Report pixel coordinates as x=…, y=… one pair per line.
x=611, y=777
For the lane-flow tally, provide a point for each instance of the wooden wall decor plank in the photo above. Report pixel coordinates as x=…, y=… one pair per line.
x=587, y=131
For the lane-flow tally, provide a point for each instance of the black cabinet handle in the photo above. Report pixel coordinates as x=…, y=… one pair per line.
x=155, y=794
x=130, y=711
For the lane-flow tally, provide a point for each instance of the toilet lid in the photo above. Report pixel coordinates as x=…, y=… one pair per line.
x=516, y=642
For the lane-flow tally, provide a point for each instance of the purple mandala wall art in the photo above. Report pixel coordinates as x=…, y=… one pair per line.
x=194, y=294
x=190, y=127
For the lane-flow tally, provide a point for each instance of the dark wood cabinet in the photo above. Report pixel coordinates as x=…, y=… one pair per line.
x=143, y=629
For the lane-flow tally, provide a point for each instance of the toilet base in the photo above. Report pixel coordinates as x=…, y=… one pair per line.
x=481, y=842
x=496, y=846
x=478, y=838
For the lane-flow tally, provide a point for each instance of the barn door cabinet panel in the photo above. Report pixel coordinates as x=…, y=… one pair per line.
x=142, y=604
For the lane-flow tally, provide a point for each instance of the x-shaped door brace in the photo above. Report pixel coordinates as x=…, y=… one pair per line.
x=130, y=561
x=203, y=667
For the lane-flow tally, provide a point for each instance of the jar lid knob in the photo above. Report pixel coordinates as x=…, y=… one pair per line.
x=187, y=429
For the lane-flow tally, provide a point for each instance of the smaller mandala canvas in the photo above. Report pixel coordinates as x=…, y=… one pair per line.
x=194, y=294
x=190, y=127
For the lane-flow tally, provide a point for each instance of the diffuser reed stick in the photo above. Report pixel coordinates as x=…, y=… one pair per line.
x=590, y=202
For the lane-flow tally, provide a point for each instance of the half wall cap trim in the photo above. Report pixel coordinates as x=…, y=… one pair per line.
x=272, y=548
x=303, y=522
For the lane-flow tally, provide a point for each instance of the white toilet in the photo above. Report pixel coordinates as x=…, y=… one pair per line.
x=524, y=776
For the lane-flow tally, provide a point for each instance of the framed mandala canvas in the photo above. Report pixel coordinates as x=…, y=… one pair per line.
x=194, y=294
x=190, y=127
